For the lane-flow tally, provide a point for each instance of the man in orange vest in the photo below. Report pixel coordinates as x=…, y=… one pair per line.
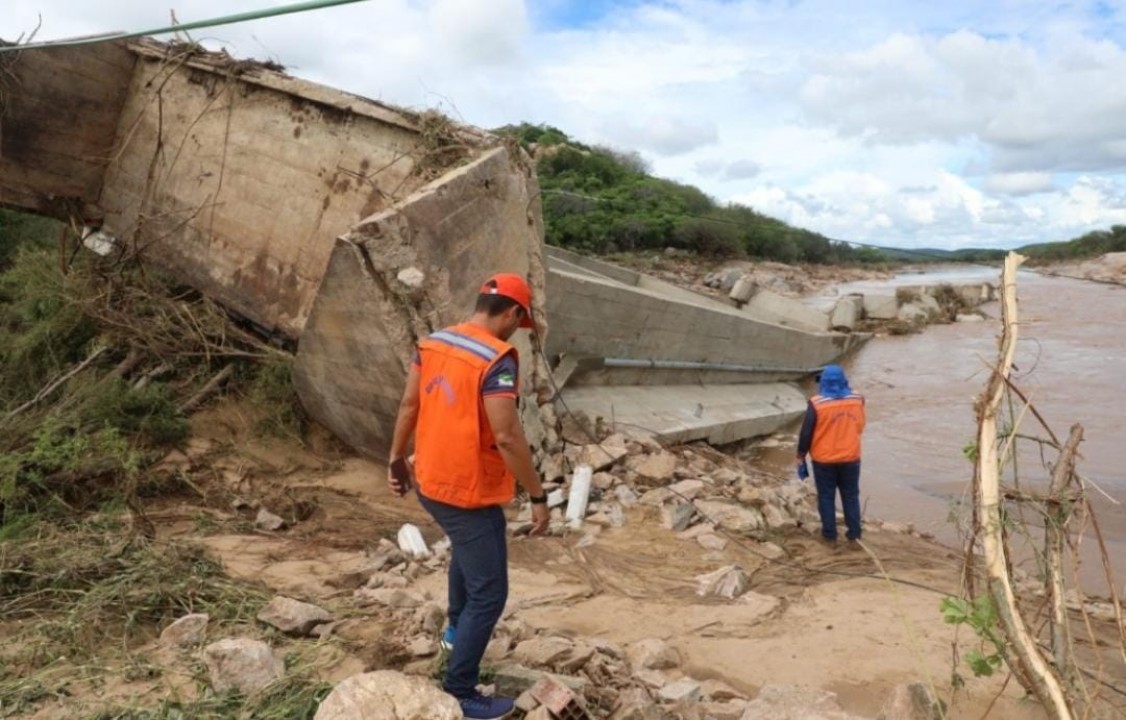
x=460, y=405
x=830, y=434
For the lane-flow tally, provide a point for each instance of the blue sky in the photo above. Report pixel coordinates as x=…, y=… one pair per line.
x=937, y=124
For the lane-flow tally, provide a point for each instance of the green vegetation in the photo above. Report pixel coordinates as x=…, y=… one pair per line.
x=1086, y=246
x=604, y=201
x=99, y=363
x=980, y=616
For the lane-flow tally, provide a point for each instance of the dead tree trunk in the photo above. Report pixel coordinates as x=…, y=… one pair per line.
x=1031, y=668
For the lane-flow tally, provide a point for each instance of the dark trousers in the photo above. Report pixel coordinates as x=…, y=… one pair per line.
x=832, y=478
x=478, y=589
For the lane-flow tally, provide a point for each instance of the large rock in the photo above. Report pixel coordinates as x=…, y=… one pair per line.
x=847, y=313
x=730, y=517
x=687, y=489
x=728, y=582
x=658, y=466
x=388, y=695
x=293, y=617
x=795, y=702
x=188, y=630
x=677, y=516
x=242, y=665
x=880, y=307
x=652, y=654
x=912, y=702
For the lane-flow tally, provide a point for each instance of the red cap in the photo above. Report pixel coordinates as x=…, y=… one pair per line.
x=511, y=285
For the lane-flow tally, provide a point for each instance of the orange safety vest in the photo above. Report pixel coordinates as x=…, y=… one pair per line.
x=456, y=457
x=836, y=433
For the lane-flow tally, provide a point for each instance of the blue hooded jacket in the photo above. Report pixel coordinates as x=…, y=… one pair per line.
x=834, y=384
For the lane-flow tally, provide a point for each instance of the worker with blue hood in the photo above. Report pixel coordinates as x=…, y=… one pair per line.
x=830, y=435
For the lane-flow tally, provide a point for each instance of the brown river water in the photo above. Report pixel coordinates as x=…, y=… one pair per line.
x=920, y=391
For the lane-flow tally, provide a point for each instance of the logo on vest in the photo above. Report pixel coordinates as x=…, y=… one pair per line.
x=447, y=389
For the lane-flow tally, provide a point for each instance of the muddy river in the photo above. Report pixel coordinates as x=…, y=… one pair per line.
x=920, y=390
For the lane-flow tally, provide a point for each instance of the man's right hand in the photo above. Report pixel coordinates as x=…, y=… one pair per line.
x=541, y=518
x=397, y=487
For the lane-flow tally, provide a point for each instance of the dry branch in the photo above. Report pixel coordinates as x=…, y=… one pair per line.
x=1028, y=664
x=54, y=385
x=1058, y=513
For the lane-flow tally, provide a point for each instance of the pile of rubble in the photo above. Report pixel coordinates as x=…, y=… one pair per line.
x=696, y=491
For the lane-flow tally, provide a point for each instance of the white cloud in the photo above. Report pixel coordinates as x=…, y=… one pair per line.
x=1021, y=183
x=933, y=123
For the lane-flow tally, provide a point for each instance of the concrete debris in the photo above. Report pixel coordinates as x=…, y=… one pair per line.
x=603, y=481
x=412, y=277
x=241, y=665
x=881, y=307
x=795, y=702
x=605, y=454
x=727, y=582
x=685, y=690
x=187, y=631
x=656, y=496
x=912, y=313
x=677, y=516
x=543, y=651
x=556, y=498
x=729, y=516
x=743, y=289
x=411, y=542
x=777, y=518
x=559, y=699
x=513, y=680
x=388, y=695
x=652, y=654
x=579, y=496
x=912, y=702
x=687, y=489
x=266, y=520
x=636, y=704
x=847, y=313
x=969, y=318
x=293, y=617
x=658, y=466
x=626, y=496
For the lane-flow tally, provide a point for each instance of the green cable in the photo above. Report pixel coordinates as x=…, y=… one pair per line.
x=226, y=20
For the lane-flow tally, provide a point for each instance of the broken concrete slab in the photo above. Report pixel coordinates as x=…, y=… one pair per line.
x=657, y=466
x=542, y=651
x=847, y=313
x=512, y=680
x=880, y=307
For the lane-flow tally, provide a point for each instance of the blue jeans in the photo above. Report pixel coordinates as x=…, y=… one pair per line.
x=478, y=586
x=832, y=478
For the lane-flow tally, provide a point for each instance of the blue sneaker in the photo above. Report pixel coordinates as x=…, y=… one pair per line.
x=479, y=707
x=448, y=637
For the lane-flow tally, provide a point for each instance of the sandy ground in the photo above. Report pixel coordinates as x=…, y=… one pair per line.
x=856, y=636
x=1110, y=268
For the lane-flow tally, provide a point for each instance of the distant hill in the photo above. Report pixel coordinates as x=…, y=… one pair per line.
x=601, y=200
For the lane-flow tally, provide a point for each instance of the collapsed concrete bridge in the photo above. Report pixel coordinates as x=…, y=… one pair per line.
x=353, y=228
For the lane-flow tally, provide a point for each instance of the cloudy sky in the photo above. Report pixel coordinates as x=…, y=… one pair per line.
x=901, y=122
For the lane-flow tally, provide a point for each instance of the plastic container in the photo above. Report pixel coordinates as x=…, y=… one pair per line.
x=411, y=542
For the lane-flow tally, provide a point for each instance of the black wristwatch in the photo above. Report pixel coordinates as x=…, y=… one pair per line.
x=538, y=500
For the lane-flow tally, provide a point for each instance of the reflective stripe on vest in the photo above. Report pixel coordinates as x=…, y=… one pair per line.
x=456, y=458
x=836, y=434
